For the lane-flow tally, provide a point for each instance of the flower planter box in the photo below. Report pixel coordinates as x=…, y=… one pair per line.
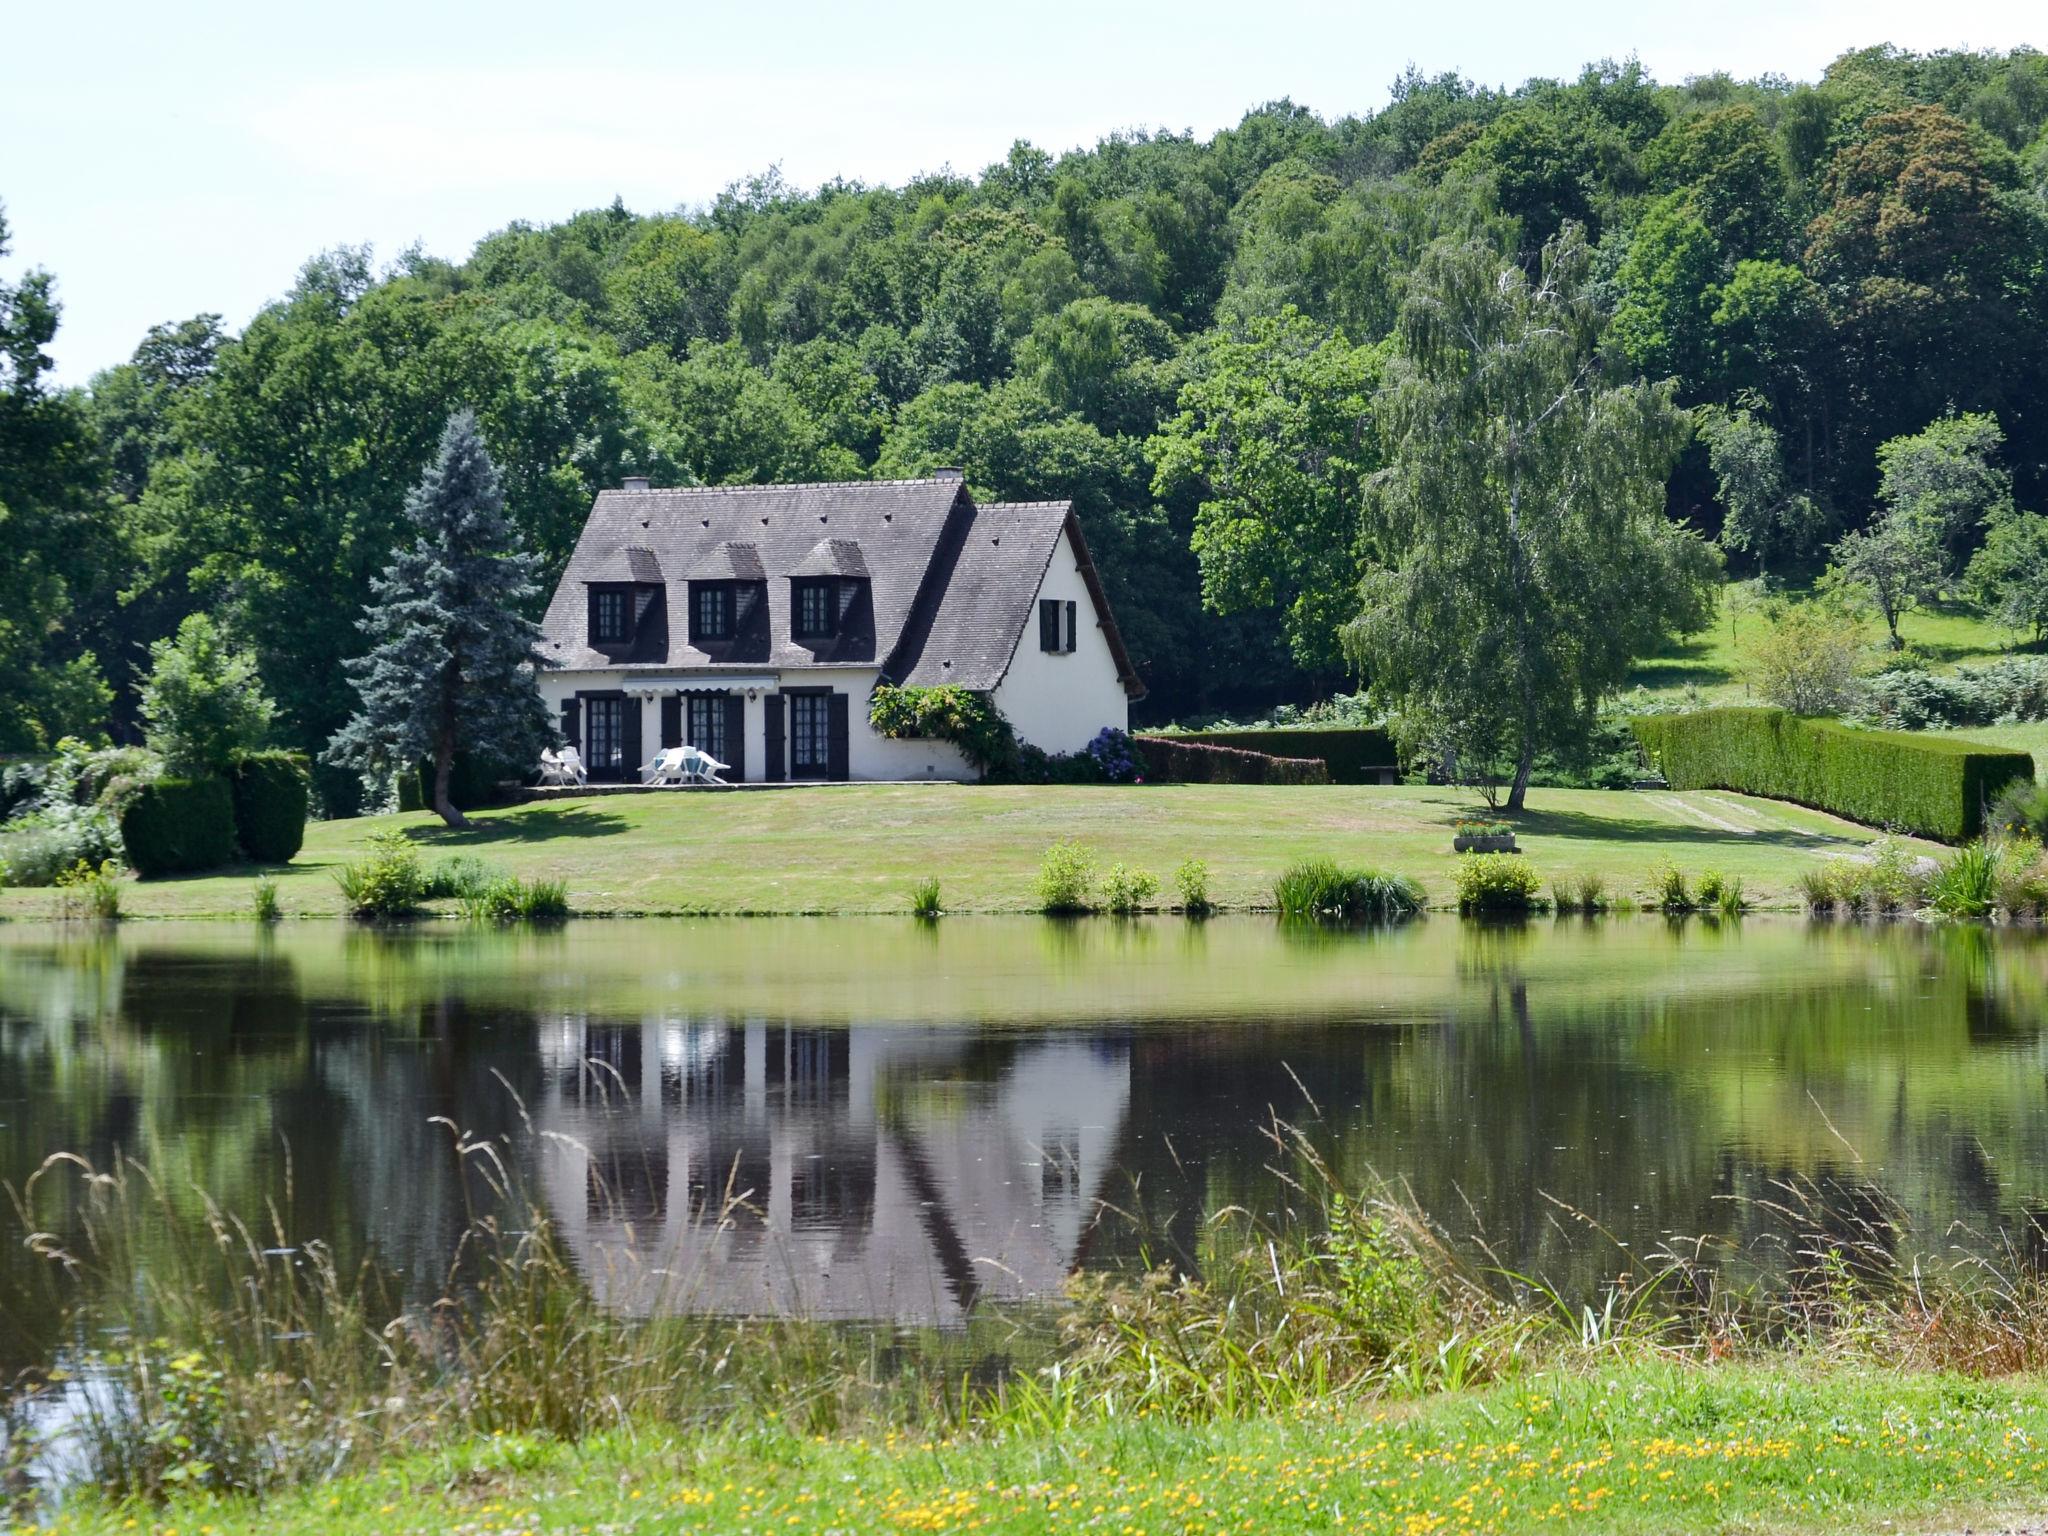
x=1485, y=842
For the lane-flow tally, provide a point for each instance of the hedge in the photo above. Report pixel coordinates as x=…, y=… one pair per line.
x=176, y=826
x=1179, y=760
x=271, y=792
x=1354, y=754
x=1936, y=786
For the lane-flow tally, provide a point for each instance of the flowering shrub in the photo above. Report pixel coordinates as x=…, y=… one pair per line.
x=1116, y=756
x=969, y=720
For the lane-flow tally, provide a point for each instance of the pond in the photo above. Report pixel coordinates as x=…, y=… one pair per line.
x=880, y=1120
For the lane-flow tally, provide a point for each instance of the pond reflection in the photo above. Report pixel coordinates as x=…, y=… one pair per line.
x=885, y=1120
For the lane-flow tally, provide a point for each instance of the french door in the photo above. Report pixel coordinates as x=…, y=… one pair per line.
x=604, y=737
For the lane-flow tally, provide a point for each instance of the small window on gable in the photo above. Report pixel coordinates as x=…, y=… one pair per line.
x=814, y=612
x=1049, y=624
x=710, y=611
x=610, y=622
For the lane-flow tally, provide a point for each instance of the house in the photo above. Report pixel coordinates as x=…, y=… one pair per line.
x=755, y=621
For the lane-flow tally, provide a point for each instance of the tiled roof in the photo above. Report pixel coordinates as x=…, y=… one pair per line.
x=951, y=584
x=631, y=565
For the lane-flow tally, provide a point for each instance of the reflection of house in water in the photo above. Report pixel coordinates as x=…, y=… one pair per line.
x=866, y=1172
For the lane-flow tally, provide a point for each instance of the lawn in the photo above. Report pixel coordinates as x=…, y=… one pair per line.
x=1945, y=634
x=1627, y=1448
x=860, y=847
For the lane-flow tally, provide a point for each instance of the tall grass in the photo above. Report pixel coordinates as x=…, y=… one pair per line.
x=924, y=898
x=1324, y=889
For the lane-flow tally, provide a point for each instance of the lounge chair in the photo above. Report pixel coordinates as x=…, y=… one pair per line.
x=570, y=762
x=665, y=767
x=700, y=767
x=551, y=771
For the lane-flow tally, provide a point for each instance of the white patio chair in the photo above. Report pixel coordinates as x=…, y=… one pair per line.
x=571, y=763
x=700, y=767
x=550, y=768
x=666, y=767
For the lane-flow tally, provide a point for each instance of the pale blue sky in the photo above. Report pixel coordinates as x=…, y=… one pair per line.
x=163, y=160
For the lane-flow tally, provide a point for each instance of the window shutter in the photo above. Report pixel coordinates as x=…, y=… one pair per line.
x=736, y=736
x=644, y=599
x=775, y=768
x=590, y=615
x=1048, y=624
x=838, y=749
x=745, y=595
x=629, y=737
x=848, y=590
x=671, y=720
x=1072, y=639
x=572, y=723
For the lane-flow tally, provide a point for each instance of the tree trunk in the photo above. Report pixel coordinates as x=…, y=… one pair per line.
x=444, y=770
x=1525, y=764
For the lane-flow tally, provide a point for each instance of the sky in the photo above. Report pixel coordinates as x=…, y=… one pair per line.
x=165, y=160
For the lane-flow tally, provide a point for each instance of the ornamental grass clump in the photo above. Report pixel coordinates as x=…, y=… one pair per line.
x=263, y=905
x=1587, y=895
x=1066, y=878
x=924, y=898
x=1670, y=892
x=506, y=899
x=1495, y=882
x=1966, y=882
x=1322, y=889
x=1126, y=890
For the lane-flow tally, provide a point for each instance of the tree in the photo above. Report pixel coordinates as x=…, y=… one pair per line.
x=203, y=701
x=1893, y=564
x=1761, y=516
x=2009, y=575
x=1944, y=478
x=1805, y=660
x=1520, y=556
x=1277, y=432
x=454, y=663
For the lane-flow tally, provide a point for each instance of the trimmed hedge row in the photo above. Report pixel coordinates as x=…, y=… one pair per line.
x=271, y=794
x=178, y=826
x=1354, y=754
x=1933, y=785
x=1182, y=760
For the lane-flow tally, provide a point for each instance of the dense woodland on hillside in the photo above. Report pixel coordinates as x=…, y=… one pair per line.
x=1184, y=336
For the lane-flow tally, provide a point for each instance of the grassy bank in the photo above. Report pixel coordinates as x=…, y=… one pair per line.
x=862, y=847
x=1644, y=1447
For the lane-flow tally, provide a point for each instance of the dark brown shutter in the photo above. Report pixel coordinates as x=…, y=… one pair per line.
x=773, y=770
x=1071, y=638
x=572, y=722
x=736, y=736
x=629, y=738
x=671, y=720
x=1048, y=624
x=838, y=750
x=590, y=614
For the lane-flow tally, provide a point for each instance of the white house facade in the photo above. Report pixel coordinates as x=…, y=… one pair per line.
x=755, y=622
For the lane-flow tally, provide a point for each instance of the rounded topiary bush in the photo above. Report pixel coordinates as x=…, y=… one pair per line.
x=176, y=826
x=271, y=794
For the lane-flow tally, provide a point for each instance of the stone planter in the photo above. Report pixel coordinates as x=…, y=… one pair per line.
x=1485, y=842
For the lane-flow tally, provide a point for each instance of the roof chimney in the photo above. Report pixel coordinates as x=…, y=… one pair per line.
x=634, y=483
x=947, y=472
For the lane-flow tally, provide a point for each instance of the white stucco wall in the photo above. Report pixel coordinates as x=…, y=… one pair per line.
x=1057, y=701
x=868, y=756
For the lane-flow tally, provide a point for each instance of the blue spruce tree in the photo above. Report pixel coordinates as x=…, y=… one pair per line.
x=454, y=663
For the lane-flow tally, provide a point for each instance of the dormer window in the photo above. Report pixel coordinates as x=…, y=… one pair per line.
x=711, y=606
x=814, y=614
x=610, y=623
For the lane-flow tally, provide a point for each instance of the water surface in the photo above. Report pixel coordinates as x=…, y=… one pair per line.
x=874, y=1119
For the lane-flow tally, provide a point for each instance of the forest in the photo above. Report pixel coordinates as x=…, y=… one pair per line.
x=1188, y=337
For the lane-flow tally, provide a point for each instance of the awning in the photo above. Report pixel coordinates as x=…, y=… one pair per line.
x=653, y=687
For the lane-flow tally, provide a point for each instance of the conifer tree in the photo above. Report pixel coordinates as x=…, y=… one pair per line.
x=454, y=662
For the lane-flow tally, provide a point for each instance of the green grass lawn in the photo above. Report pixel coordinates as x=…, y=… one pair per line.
x=1947, y=634
x=860, y=847
x=1643, y=1448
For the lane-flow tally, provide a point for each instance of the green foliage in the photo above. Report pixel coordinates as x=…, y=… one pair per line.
x=1930, y=785
x=453, y=660
x=203, y=704
x=924, y=898
x=263, y=903
x=1126, y=890
x=1944, y=480
x=1191, y=882
x=1495, y=882
x=1966, y=882
x=2002, y=692
x=179, y=826
x=1587, y=894
x=1182, y=760
x=967, y=719
x=1353, y=754
x=1323, y=889
x=41, y=845
x=89, y=892
x=1066, y=878
x=1521, y=556
x=459, y=877
x=1893, y=566
x=1670, y=892
x=388, y=883
x=2020, y=807
x=2009, y=575
x=506, y=899
x=1889, y=880
x=271, y=793
x=1761, y=517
